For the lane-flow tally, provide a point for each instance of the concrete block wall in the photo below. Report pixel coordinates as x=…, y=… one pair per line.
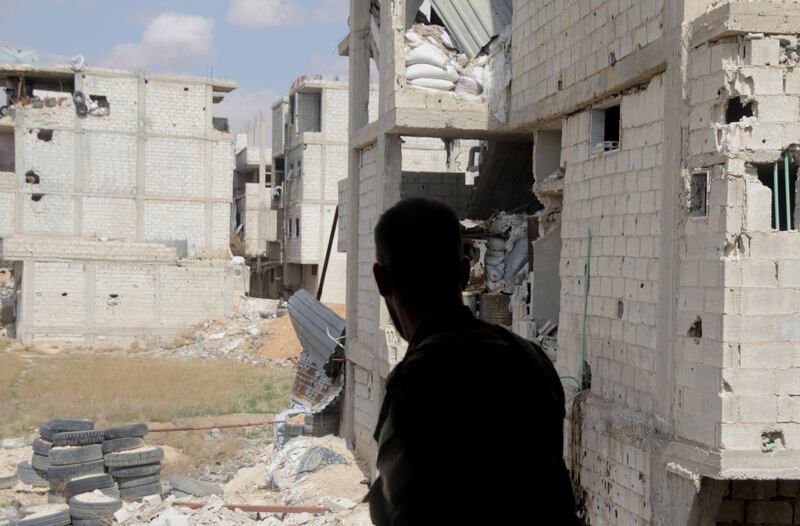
x=560, y=44
x=153, y=169
x=617, y=195
x=156, y=148
x=448, y=188
x=774, y=502
x=749, y=312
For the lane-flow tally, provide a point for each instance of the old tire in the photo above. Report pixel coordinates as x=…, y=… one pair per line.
x=139, y=492
x=130, y=430
x=87, y=484
x=195, y=487
x=93, y=522
x=46, y=515
x=126, y=483
x=29, y=476
x=78, y=438
x=91, y=506
x=41, y=447
x=135, y=457
x=115, y=445
x=40, y=463
x=64, y=473
x=63, y=455
x=70, y=424
x=135, y=471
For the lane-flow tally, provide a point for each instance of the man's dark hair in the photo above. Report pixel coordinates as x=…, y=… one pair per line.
x=418, y=242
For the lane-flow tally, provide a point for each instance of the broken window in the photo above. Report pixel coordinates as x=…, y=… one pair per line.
x=605, y=132
x=736, y=110
x=698, y=194
x=98, y=106
x=781, y=178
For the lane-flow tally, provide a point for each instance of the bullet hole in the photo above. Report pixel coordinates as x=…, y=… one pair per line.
x=726, y=387
x=641, y=285
x=63, y=294
x=45, y=135
x=36, y=197
x=735, y=111
x=620, y=309
x=696, y=330
x=113, y=296
x=32, y=177
x=772, y=440
x=612, y=58
x=185, y=89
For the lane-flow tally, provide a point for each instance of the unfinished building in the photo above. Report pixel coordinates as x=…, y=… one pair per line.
x=309, y=148
x=115, y=203
x=665, y=160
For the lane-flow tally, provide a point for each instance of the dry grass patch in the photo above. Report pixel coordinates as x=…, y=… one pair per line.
x=123, y=389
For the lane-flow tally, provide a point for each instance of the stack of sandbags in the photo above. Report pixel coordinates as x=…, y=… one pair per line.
x=134, y=465
x=73, y=449
x=433, y=62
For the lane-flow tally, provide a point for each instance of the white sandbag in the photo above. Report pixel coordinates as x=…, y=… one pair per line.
x=437, y=84
x=414, y=39
x=476, y=72
x=469, y=86
x=427, y=54
x=482, y=60
x=420, y=71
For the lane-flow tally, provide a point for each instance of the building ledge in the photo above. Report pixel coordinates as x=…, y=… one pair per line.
x=738, y=18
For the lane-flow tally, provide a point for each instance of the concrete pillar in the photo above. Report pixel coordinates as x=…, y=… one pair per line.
x=358, y=118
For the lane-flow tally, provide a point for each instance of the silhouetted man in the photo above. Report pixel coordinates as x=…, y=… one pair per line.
x=470, y=431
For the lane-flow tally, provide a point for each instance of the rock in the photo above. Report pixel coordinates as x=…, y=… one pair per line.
x=338, y=503
x=122, y=515
x=13, y=443
x=298, y=518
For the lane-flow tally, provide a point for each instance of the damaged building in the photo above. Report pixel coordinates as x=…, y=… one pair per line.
x=660, y=191
x=115, y=203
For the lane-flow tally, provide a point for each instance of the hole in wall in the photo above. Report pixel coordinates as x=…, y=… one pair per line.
x=620, y=309
x=32, y=177
x=736, y=110
x=696, y=329
x=113, y=296
x=45, y=135
x=771, y=440
x=698, y=194
x=36, y=197
x=64, y=294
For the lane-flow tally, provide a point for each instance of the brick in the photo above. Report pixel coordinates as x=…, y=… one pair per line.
x=731, y=511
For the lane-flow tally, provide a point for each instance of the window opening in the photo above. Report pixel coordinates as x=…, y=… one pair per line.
x=698, y=194
x=297, y=227
x=605, y=132
x=781, y=178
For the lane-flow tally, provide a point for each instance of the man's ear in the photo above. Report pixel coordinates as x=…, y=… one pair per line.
x=464, y=268
x=382, y=279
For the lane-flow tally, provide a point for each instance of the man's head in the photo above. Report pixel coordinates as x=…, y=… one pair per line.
x=420, y=266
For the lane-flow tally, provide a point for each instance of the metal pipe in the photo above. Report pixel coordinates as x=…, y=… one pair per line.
x=776, y=198
x=328, y=254
x=205, y=428
x=786, y=189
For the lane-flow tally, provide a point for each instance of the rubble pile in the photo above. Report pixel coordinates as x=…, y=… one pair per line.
x=255, y=337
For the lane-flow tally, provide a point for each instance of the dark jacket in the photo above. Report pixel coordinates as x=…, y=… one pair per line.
x=471, y=432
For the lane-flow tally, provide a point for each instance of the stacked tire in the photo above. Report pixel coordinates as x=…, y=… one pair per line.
x=45, y=515
x=135, y=466
x=73, y=449
x=94, y=508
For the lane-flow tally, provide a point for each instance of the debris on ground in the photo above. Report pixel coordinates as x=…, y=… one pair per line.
x=244, y=338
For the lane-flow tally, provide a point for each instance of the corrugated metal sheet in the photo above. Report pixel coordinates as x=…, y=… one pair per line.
x=473, y=23
x=318, y=381
x=315, y=325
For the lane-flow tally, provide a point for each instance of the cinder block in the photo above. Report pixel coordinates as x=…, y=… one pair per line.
x=789, y=273
x=758, y=408
x=763, y=52
x=731, y=511
x=778, y=108
x=792, y=82
x=769, y=512
x=754, y=489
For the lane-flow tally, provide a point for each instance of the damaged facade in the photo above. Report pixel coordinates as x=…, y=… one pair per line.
x=115, y=203
x=664, y=165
